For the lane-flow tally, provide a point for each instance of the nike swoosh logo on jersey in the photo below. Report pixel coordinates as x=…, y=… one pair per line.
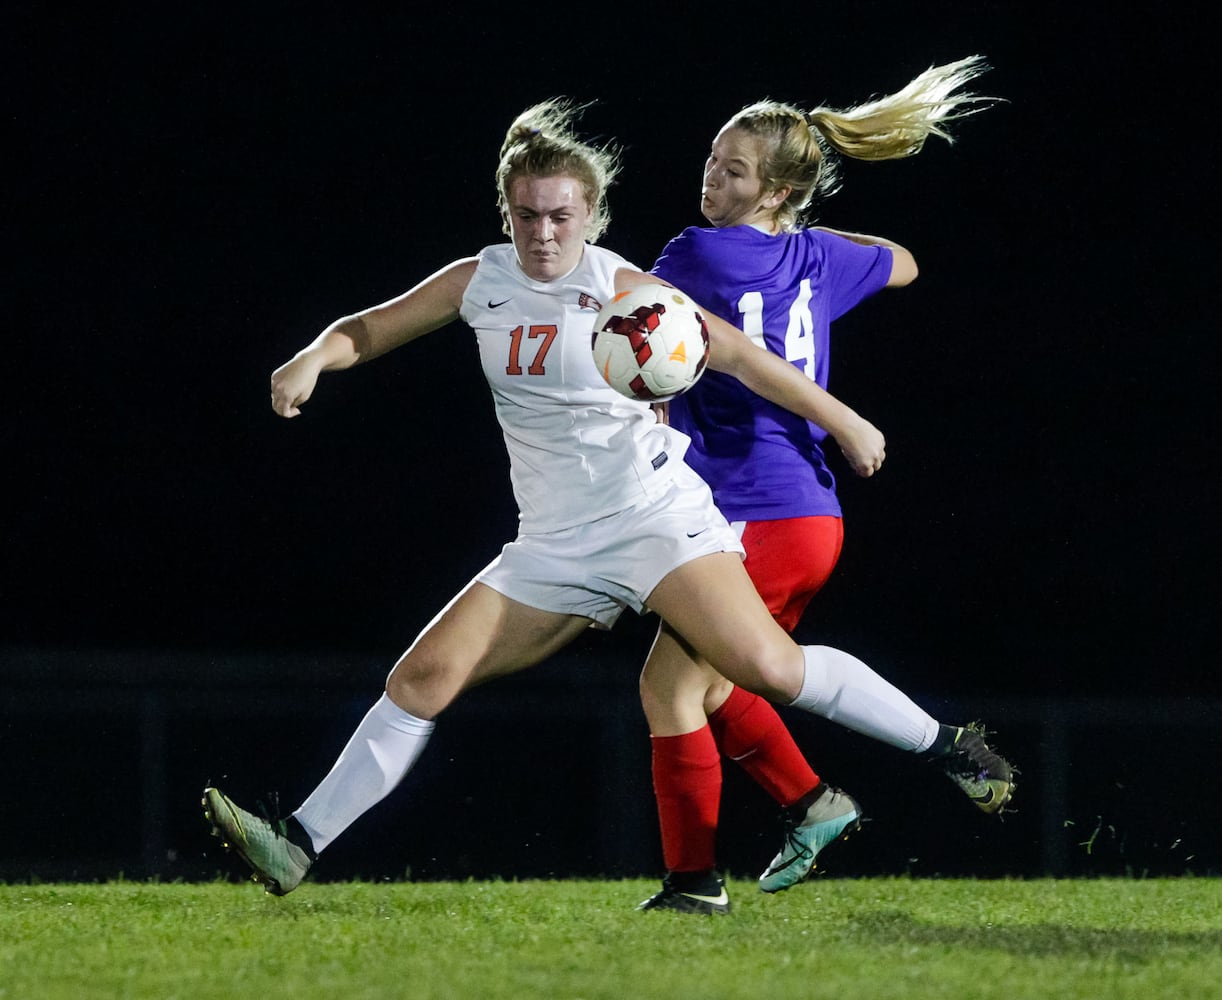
x=496, y=305
x=693, y=534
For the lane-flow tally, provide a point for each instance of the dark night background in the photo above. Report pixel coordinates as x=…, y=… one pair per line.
x=195, y=590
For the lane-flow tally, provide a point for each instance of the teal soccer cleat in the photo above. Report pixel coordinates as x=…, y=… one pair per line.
x=831, y=817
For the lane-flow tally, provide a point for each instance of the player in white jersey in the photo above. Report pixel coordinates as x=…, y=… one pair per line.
x=611, y=516
x=571, y=437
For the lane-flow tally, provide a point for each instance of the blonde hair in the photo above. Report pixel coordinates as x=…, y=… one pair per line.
x=800, y=149
x=542, y=142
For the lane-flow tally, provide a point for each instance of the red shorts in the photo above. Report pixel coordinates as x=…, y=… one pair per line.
x=789, y=560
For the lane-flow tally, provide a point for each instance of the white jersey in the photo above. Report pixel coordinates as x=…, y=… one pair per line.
x=578, y=450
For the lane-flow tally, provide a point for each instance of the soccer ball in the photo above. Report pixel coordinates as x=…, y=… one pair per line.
x=650, y=343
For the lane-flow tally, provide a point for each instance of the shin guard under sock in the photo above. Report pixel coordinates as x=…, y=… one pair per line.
x=749, y=731
x=379, y=753
x=687, y=786
x=841, y=688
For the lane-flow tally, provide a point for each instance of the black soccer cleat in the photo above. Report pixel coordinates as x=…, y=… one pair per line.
x=985, y=776
x=690, y=892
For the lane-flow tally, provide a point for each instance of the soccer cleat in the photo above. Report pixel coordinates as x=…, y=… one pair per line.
x=277, y=862
x=690, y=892
x=831, y=817
x=984, y=775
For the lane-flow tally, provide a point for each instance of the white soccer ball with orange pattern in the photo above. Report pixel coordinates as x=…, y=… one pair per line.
x=650, y=343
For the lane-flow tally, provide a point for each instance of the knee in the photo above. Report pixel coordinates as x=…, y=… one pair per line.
x=769, y=670
x=776, y=685
x=420, y=685
x=673, y=696
x=402, y=689
x=655, y=689
x=717, y=693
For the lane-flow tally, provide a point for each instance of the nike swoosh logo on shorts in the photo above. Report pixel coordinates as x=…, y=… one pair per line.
x=693, y=534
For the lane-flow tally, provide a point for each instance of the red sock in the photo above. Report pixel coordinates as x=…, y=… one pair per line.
x=748, y=730
x=687, y=785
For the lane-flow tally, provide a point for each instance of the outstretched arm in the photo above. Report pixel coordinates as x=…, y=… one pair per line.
x=774, y=378
x=362, y=336
x=768, y=375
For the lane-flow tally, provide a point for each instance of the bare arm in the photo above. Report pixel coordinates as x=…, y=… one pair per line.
x=903, y=264
x=370, y=333
x=768, y=375
x=774, y=378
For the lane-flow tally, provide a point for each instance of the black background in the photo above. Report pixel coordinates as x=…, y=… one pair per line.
x=196, y=194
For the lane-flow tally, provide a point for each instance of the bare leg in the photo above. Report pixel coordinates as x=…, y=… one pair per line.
x=713, y=605
x=679, y=692
x=481, y=634
x=679, y=689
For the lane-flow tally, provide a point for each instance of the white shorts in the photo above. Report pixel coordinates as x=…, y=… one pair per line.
x=596, y=570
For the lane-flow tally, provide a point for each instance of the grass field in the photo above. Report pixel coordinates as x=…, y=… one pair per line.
x=1105, y=939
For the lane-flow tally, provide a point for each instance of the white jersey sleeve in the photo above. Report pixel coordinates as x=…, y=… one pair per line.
x=578, y=450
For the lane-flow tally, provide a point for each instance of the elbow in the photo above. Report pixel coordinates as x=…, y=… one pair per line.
x=904, y=269
x=725, y=352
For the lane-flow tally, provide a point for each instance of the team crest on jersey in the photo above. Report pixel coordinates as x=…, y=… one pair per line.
x=587, y=301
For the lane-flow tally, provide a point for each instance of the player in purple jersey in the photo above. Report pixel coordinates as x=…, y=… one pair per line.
x=763, y=462
x=759, y=268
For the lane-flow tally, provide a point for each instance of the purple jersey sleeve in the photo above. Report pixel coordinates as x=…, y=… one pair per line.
x=763, y=462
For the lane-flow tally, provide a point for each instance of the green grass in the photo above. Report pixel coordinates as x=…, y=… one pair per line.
x=1106, y=939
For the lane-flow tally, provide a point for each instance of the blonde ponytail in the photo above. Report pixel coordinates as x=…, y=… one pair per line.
x=800, y=149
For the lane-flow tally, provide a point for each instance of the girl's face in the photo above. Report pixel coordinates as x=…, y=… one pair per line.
x=732, y=194
x=548, y=218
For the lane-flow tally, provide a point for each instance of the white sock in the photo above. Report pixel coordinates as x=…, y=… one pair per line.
x=381, y=751
x=843, y=689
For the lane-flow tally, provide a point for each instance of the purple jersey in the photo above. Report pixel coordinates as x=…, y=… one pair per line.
x=763, y=462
